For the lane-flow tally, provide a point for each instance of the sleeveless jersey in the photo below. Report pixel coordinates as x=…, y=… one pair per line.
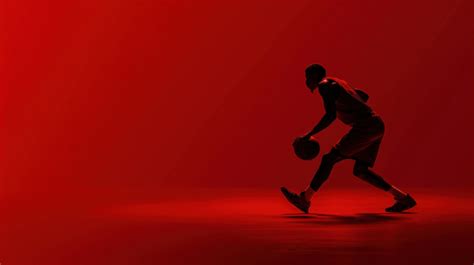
x=350, y=107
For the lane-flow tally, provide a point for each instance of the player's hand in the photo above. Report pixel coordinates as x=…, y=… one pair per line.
x=301, y=138
x=305, y=137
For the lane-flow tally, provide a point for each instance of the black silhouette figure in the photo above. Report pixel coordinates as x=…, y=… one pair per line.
x=361, y=143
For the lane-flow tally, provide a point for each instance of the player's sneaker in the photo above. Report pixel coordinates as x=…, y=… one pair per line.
x=402, y=204
x=299, y=201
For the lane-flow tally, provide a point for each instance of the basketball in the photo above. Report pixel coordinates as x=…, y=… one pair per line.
x=306, y=149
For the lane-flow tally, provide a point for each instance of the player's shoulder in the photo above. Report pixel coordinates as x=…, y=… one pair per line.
x=327, y=87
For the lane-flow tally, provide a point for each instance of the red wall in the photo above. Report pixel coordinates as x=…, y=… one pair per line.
x=155, y=95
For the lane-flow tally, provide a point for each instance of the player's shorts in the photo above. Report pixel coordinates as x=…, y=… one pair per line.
x=362, y=142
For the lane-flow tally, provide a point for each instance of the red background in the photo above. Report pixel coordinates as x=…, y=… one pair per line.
x=164, y=95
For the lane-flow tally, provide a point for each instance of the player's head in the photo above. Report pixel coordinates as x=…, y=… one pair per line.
x=314, y=74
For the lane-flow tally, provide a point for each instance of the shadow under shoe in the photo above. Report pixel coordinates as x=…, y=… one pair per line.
x=299, y=201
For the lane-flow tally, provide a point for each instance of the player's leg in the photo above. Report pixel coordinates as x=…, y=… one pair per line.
x=322, y=174
x=302, y=201
x=403, y=200
x=362, y=171
x=358, y=138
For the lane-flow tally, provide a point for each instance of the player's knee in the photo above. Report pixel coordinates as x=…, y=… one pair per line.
x=359, y=170
x=330, y=158
x=326, y=158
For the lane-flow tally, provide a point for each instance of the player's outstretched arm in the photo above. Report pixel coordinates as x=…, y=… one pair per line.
x=329, y=98
x=362, y=94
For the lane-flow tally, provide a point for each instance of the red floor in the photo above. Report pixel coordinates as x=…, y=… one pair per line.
x=243, y=227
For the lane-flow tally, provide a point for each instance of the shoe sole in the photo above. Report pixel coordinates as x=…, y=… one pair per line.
x=408, y=208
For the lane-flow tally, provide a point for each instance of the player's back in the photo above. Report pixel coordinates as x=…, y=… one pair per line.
x=350, y=106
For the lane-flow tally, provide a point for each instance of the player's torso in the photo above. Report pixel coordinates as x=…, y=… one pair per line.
x=350, y=107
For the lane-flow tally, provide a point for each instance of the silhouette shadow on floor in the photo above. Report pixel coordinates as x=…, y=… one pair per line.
x=334, y=219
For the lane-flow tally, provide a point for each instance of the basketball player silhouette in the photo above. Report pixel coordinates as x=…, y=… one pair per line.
x=361, y=143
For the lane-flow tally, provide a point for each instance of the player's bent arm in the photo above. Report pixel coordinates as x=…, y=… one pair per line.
x=325, y=121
